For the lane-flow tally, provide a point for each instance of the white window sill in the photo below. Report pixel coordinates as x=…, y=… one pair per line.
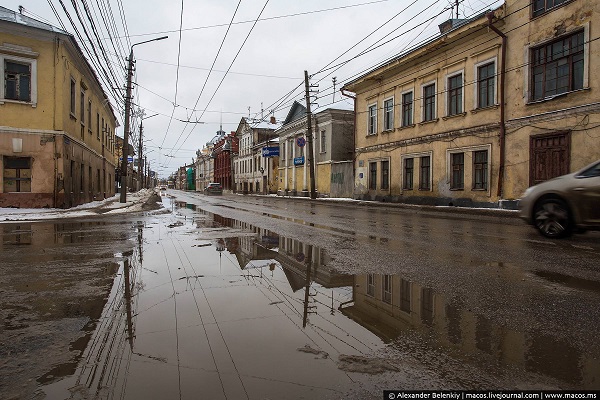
x=25, y=103
x=556, y=96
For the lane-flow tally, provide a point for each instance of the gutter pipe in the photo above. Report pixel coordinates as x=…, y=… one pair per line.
x=490, y=16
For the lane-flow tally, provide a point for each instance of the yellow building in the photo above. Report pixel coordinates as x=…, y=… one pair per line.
x=442, y=124
x=57, y=127
x=332, y=131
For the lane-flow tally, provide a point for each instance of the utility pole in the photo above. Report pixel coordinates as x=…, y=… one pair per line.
x=140, y=168
x=309, y=137
x=123, y=197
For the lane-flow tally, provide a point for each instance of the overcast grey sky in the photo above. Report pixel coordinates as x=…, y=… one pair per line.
x=290, y=37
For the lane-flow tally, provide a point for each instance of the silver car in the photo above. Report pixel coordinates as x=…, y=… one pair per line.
x=561, y=205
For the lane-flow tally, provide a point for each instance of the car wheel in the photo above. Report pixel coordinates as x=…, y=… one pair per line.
x=552, y=218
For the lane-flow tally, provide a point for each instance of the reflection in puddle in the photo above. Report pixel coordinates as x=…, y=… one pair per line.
x=209, y=306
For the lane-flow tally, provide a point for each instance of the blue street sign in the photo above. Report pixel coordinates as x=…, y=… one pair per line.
x=129, y=158
x=301, y=141
x=270, y=151
x=299, y=160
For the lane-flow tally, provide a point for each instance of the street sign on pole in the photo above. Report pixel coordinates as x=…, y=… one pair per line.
x=301, y=142
x=270, y=151
x=299, y=160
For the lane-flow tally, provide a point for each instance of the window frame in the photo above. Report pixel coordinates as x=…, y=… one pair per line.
x=405, y=296
x=73, y=99
x=428, y=181
x=371, y=285
x=457, y=170
x=469, y=151
x=405, y=183
x=17, y=178
x=385, y=174
x=33, y=92
x=458, y=92
x=89, y=116
x=372, y=119
x=537, y=13
x=411, y=114
x=387, y=288
x=424, y=102
x=477, y=86
x=529, y=75
x=323, y=141
x=373, y=175
x=388, y=114
x=484, y=175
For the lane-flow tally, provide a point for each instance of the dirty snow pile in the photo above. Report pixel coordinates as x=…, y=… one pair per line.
x=111, y=205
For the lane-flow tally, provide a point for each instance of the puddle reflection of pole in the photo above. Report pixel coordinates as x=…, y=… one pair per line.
x=126, y=272
x=307, y=289
x=140, y=237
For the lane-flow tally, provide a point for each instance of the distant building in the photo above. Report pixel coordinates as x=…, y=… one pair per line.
x=57, y=127
x=255, y=173
x=333, y=133
x=223, y=152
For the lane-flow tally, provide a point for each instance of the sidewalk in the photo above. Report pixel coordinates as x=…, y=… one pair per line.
x=138, y=201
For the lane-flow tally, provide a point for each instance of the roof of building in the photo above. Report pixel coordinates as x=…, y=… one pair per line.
x=18, y=18
x=445, y=28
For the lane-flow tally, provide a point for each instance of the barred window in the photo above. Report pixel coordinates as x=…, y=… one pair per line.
x=408, y=173
x=425, y=175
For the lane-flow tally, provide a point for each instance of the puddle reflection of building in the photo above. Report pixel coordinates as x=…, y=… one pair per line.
x=390, y=306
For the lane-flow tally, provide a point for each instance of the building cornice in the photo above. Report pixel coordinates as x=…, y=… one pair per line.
x=489, y=128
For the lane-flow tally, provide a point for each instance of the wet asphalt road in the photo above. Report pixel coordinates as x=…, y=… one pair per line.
x=256, y=297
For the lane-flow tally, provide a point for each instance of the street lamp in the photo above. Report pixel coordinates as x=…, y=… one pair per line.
x=123, y=198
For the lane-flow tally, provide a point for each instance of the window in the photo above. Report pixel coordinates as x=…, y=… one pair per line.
x=486, y=81
x=373, y=176
x=385, y=175
x=82, y=112
x=17, y=174
x=407, y=109
x=371, y=285
x=429, y=102
x=408, y=173
x=73, y=86
x=323, y=142
x=425, y=176
x=388, y=114
x=90, y=116
x=82, y=107
x=372, y=128
x=387, y=289
x=17, y=81
x=457, y=164
x=557, y=67
x=480, y=170
x=102, y=131
x=541, y=6
x=98, y=126
x=282, y=151
x=405, y=295
x=455, y=90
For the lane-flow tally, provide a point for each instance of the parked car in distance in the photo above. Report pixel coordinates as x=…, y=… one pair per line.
x=163, y=190
x=213, y=188
x=561, y=205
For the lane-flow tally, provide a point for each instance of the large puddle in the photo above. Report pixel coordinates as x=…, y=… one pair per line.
x=203, y=306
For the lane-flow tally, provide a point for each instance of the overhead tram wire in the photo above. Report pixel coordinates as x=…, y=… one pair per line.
x=107, y=26
x=124, y=22
x=94, y=61
x=263, y=19
x=209, y=73
x=356, y=44
x=229, y=68
x=95, y=32
x=109, y=12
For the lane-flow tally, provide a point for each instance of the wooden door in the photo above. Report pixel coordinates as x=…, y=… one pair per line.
x=549, y=156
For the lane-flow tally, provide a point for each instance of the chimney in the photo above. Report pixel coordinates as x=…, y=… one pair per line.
x=273, y=121
x=447, y=26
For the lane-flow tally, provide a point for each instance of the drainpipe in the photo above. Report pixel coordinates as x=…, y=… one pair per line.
x=490, y=16
x=354, y=134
